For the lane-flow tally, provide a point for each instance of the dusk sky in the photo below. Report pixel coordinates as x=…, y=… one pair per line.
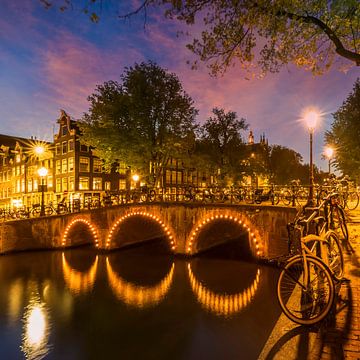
x=51, y=60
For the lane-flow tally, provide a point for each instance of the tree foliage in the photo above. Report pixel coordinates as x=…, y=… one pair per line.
x=344, y=134
x=142, y=121
x=266, y=33
x=285, y=165
x=220, y=143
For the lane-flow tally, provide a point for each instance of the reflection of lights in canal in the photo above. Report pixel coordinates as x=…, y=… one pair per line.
x=223, y=304
x=136, y=295
x=36, y=330
x=79, y=282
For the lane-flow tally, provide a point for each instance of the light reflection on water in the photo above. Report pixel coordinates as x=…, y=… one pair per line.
x=36, y=329
x=80, y=304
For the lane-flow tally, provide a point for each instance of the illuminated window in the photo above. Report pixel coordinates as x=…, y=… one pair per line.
x=58, y=185
x=84, y=164
x=122, y=168
x=70, y=164
x=84, y=183
x=18, y=158
x=97, y=166
x=58, y=167
x=30, y=186
x=168, y=176
x=122, y=184
x=18, y=185
x=64, y=166
x=18, y=170
x=107, y=185
x=50, y=181
x=64, y=183
x=58, y=149
x=22, y=185
x=97, y=183
x=71, y=183
x=22, y=170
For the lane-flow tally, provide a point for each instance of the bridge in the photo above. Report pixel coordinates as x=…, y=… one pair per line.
x=188, y=229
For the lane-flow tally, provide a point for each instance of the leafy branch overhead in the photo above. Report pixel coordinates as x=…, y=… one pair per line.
x=265, y=33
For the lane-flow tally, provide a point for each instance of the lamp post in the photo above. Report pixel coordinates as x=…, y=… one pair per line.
x=42, y=173
x=311, y=118
x=329, y=152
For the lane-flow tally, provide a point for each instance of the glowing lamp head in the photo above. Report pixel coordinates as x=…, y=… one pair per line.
x=329, y=152
x=136, y=177
x=43, y=171
x=311, y=118
x=39, y=150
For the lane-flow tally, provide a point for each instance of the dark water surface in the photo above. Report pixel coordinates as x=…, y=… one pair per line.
x=133, y=304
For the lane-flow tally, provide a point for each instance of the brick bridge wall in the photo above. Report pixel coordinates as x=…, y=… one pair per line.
x=182, y=225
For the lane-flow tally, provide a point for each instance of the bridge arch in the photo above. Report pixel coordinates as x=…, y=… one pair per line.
x=255, y=241
x=73, y=223
x=223, y=304
x=165, y=229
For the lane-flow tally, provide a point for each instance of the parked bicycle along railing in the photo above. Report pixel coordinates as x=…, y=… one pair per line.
x=315, y=260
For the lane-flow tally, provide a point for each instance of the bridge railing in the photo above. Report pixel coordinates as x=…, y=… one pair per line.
x=285, y=195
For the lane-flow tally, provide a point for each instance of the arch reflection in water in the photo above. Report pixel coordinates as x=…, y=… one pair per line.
x=223, y=304
x=79, y=282
x=36, y=330
x=136, y=295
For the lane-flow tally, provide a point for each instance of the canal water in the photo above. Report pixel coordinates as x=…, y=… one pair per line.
x=138, y=303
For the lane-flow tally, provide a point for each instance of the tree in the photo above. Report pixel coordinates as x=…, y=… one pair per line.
x=286, y=164
x=308, y=33
x=142, y=121
x=221, y=144
x=344, y=134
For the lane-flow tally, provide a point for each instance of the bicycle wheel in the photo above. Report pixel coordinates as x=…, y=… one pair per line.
x=335, y=255
x=48, y=210
x=151, y=195
x=276, y=198
x=286, y=198
x=352, y=200
x=305, y=301
x=338, y=221
x=249, y=199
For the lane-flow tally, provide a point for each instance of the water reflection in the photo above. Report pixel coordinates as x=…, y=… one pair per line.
x=79, y=282
x=36, y=330
x=220, y=303
x=136, y=295
x=15, y=300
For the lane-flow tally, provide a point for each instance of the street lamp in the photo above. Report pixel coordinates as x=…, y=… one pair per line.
x=42, y=173
x=329, y=152
x=311, y=118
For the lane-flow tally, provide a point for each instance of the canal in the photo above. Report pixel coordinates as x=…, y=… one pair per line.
x=138, y=303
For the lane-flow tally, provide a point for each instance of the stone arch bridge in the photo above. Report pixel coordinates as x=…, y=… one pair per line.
x=187, y=228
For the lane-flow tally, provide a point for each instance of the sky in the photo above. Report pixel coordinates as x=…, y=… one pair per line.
x=51, y=60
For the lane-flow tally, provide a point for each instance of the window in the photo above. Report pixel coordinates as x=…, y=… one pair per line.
x=107, y=185
x=122, y=168
x=64, y=147
x=64, y=184
x=64, y=130
x=179, y=177
x=64, y=166
x=84, y=148
x=84, y=164
x=122, y=184
x=30, y=185
x=97, y=166
x=58, y=185
x=58, y=149
x=168, y=176
x=83, y=183
x=22, y=170
x=71, y=145
x=50, y=181
x=18, y=158
x=71, y=183
x=22, y=185
x=18, y=170
x=35, y=187
x=70, y=164
x=97, y=183
x=58, y=166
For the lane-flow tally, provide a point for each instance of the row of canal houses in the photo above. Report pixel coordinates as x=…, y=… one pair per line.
x=73, y=172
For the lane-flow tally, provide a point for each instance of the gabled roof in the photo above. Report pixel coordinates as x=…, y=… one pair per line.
x=10, y=141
